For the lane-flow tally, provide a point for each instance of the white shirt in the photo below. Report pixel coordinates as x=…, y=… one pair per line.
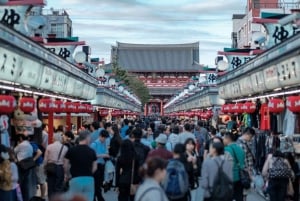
x=52, y=152
x=23, y=150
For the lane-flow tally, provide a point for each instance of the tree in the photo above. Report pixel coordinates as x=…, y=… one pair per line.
x=135, y=84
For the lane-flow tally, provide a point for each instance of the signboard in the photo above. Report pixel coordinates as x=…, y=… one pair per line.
x=211, y=78
x=278, y=33
x=235, y=61
x=64, y=51
x=47, y=78
x=29, y=72
x=271, y=77
x=258, y=82
x=246, y=86
x=60, y=82
x=70, y=86
x=288, y=71
x=85, y=91
x=9, y=64
x=78, y=88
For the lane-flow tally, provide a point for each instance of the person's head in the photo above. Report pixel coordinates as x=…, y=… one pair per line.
x=179, y=150
x=103, y=136
x=161, y=140
x=107, y=126
x=248, y=134
x=213, y=131
x=200, y=123
x=115, y=129
x=167, y=130
x=187, y=127
x=68, y=136
x=94, y=126
x=216, y=149
x=126, y=122
x=149, y=131
x=45, y=127
x=175, y=130
x=137, y=133
x=229, y=138
x=57, y=137
x=190, y=145
x=60, y=128
x=127, y=149
x=155, y=168
x=84, y=137
x=21, y=137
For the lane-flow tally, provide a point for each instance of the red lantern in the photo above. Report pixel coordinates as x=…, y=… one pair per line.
x=293, y=103
x=210, y=113
x=104, y=112
x=228, y=108
x=27, y=104
x=89, y=108
x=276, y=105
x=237, y=108
x=7, y=104
x=46, y=105
x=70, y=107
x=249, y=107
x=59, y=106
x=81, y=108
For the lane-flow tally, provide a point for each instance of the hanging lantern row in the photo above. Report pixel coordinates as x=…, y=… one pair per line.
x=47, y=105
x=239, y=108
x=200, y=114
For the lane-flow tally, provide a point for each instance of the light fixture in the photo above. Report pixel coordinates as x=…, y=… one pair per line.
x=268, y=95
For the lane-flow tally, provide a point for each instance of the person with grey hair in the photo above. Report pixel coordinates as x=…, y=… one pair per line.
x=80, y=164
x=54, y=156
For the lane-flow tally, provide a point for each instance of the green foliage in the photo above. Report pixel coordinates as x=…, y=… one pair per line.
x=135, y=85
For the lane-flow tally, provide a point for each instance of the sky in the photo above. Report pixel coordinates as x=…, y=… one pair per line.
x=101, y=23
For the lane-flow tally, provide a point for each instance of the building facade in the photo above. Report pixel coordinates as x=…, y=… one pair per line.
x=164, y=68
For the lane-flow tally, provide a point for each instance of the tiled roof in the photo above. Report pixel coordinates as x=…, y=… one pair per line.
x=158, y=58
x=163, y=91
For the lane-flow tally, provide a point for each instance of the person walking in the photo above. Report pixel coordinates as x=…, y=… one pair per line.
x=238, y=157
x=80, y=164
x=186, y=134
x=55, y=154
x=278, y=172
x=100, y=148
x=154, y=173
x=210, y=170
x=6, y=181
x=161, y=150
x=124, y=167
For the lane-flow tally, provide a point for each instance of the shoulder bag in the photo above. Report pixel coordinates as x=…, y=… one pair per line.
x=244, y=174
x=50, y=168
x=26, y=164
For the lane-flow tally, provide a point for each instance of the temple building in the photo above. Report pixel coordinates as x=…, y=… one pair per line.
x=164, y=68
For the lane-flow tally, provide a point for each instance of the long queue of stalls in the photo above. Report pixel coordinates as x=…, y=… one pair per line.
x=38, y=85
x=265, y=92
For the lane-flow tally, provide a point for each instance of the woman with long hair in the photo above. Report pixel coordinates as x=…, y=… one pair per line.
x=154, y=172
x=124, y=167
x=115, y=142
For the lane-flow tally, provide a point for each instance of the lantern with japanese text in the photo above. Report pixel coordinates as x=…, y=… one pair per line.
x=237, y=108
x=293, y=103
x=7, y=104
x=249, y=107
x=59, y=106
x=81, y=108
x=103, y=112
x=46, y=105
x=276, y=105
x=89, y=108
x=27, y=104
x=70, y=107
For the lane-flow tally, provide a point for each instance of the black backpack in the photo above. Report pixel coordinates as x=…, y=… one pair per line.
x=140, y=154
x=222, y=189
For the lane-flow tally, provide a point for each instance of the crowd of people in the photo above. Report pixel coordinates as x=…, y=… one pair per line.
x=141, y=160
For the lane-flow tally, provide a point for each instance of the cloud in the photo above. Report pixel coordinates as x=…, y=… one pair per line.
x=103, y=22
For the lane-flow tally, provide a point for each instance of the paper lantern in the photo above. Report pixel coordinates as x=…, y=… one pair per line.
x=276, y=105
x=81, y=108
x=70, y=107
x=103, y=112
x=249, y=107
x=7, y=104
x=59, y=106
x=89, y=108
x=293, y=103
x=46, y=105
x=27, y=104
x=237, y=108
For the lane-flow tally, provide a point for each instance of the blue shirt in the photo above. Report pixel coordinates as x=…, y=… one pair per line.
x=95, y=135
x=35, y=148
x=100, y=148
x=123, y=131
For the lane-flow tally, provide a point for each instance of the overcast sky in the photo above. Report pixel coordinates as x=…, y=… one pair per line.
x=103, y=22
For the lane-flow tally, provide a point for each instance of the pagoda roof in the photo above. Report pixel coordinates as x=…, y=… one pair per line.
x=158, y=57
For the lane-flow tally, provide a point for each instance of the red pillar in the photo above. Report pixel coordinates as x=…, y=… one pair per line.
x=68, y=122
x=161, y=108
x=145, y=109
x=50, y=127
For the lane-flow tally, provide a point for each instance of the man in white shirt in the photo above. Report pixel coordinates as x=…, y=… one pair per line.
x=186, y=134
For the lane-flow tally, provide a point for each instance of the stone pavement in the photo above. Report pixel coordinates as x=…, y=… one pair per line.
x=253, y=196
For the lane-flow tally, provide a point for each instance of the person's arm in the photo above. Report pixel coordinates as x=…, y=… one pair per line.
x=266, y=167
x=37, y=154
x=67, y=168
x=204, y=182
x=46, y=156
x=95, y=166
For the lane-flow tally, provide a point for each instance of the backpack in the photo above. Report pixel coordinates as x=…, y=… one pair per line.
x=222, y=189
x=176, y=183
x=279, y=169
x=140, y=154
